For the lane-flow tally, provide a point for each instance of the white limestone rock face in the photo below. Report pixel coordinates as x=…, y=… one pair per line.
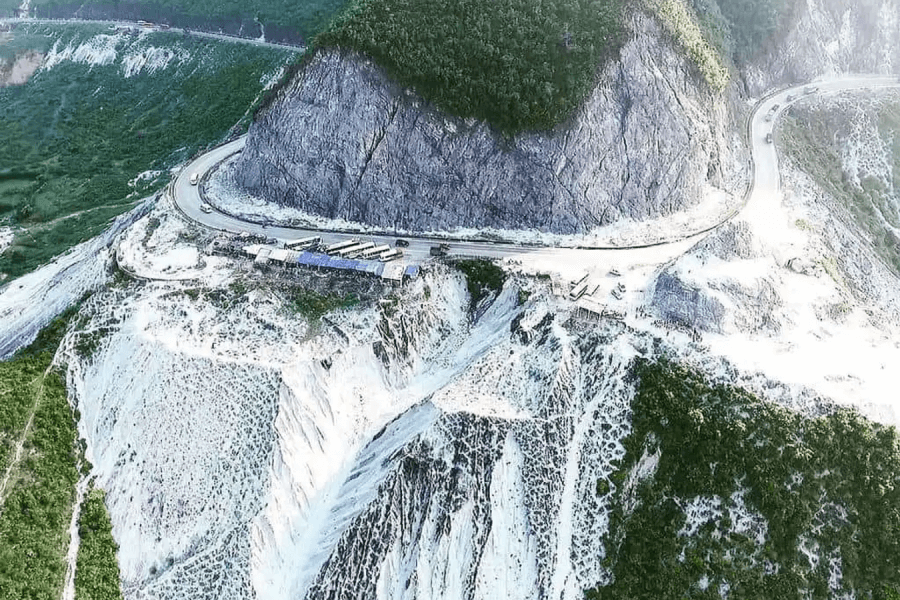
x=344, y=141
x=244, y=457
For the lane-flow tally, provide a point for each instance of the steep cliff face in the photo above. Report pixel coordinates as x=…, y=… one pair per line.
x=343, y=141
x=827, y=37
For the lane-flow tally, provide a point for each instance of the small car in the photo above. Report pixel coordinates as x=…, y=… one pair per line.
x=401, y=243
x=769, y=138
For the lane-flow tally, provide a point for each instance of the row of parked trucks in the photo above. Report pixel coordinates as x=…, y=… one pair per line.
x=349, y=249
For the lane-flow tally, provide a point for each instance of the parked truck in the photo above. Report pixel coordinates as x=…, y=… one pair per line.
x=440, y=250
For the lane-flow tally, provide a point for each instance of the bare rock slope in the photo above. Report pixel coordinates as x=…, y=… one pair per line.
x=344, y=141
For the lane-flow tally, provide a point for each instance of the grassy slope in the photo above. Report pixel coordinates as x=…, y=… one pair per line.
x=814, y=138
x=75, y=135
x=830, y=480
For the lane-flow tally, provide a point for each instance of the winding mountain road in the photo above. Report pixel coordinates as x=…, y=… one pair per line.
x=762, y=194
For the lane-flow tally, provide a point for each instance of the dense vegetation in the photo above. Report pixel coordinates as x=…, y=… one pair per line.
x=815, y=137
x=829, y=480
x=37, y=501
x=76, y=137
x=97, y=571
x=683, y=26
x=518, y=64
x=36, y=504
x=483, y=278
x=314, y=305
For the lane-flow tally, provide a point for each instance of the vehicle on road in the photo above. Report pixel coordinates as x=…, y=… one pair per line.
x=401, y=243
x=439, y=250
x=810, y=89
x=769, y=138
x=195, y=178
x=769, y=117
x=303, y=243
x=790, y=97
x=579, y=290
x=206, y=208
x=391, y=255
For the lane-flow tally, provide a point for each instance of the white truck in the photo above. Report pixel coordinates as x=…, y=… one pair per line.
x=195, y=178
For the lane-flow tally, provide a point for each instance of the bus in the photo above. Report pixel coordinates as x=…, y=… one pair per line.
x=339, y=245
x=355, y=249
x=304, y=243
x=579, y=290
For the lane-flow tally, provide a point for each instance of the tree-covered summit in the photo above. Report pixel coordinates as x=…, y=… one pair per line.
x=518, y=64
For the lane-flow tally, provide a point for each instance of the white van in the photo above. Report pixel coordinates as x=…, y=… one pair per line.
x=195, y=177
x=206, y=208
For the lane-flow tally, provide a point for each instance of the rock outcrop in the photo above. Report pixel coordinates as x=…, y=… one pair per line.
x=344, y=141
x=676, y=302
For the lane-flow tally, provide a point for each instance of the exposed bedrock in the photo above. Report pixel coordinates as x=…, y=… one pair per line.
x=344, y=141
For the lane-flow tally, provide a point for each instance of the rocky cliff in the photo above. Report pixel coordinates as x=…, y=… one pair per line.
x=344, y=141
x=827, y=37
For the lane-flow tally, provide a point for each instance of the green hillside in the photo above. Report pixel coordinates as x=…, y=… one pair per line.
x=519, y=64
x=283, y=20
x=826, y=483
x=83, y=142
x=524, y=64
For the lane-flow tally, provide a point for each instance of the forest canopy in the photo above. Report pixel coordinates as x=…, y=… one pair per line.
x=518, y=64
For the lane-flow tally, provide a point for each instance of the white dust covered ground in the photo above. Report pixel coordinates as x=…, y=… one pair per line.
x=407, y=447
x=240, y=448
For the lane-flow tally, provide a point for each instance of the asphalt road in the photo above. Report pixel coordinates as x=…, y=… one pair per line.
x=763, y=190
x=187, y=198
